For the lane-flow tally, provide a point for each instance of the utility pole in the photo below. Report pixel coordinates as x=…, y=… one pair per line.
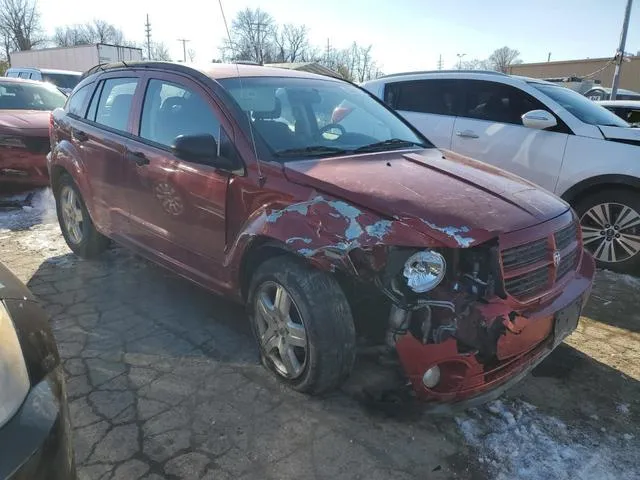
x=184, y=48
x=147, y=28
x=440, y=62
x=460, y=55
x=620, y=52
x=549, y=57
x=326, y=58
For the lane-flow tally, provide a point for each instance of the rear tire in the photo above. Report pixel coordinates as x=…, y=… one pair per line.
x=610, y=221
x=311, y=346
x=76, y=225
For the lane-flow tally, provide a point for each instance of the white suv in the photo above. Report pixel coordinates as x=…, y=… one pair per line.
x=543, y=132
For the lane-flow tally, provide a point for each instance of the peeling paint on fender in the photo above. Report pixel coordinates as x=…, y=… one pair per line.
x=453, y=232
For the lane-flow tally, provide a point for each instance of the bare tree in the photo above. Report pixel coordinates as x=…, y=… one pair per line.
x=97, y=31
x=104, y=32
x=355, y=63
x=291, y=42
x=160, y=52
x=475, y=64
x=191, y=55
x=252, y=37
x=503, y=58
x=20, y=24
x=71, y=35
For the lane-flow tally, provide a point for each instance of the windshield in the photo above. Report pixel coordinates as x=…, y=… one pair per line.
x=28, y=96
x=62, y=80
x=580, y=106
x=302, y=117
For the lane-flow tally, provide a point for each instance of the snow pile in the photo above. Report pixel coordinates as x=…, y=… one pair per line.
x=515, y=441
x=35, y=224
x=614, y=278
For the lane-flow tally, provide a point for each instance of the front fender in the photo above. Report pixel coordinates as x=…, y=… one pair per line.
x=324, y=230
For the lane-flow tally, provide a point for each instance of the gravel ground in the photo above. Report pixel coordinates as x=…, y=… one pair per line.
x=164, y=382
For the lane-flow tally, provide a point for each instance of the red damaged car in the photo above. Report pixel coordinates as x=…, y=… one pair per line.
x=236, y=178
x=25, y=108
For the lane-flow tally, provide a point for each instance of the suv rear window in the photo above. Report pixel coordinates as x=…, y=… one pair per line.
x=62, y=80
x=423, y=96
x=114, y=103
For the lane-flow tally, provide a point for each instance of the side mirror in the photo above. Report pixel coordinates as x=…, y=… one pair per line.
x=539, y=119
x=201, y=148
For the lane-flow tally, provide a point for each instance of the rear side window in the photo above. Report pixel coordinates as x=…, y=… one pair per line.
x=76, y=105
x=24, y=75
x=12, y=74
x=62, y=80
x=114, y=103
x=170, y=110
x=496, y=102
x=437, y=96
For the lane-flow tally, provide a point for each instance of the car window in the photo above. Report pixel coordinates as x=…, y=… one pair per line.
x=424, y=96
x=24, y=75
x=170, y=110
x=12, y=74
x=580, y=106
x=115, y=102
x=62, y=80
x=76, y=105
x=294, y=118
x=496, y=102
x=30, y=96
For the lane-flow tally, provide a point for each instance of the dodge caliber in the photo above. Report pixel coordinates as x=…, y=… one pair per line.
x=237, y=178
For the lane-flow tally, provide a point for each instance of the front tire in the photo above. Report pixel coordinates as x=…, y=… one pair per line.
x=76, y=225
x=610, y=221
x=303, y=325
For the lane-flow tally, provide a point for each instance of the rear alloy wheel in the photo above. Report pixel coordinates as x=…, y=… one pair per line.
x=303, y=325
x=76, y=225
x=610, y=222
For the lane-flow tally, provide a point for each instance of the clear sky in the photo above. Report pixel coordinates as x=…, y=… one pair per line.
x=405, y=34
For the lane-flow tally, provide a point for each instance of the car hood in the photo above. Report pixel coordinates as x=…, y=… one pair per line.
x=11, y=288
x=24, y=120
x=630, y=135
x=445, y=192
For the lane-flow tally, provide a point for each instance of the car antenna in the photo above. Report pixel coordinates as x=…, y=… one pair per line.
x=261, y=178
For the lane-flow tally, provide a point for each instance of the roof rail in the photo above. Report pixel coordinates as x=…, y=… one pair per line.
x=489, y=72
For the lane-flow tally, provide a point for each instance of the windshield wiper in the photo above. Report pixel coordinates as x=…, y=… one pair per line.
x=311, y=151
x=391, y=144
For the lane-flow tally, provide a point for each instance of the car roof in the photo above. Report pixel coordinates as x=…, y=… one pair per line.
x=216, y=71
x=21, y=80
x=619, y=103
x=449, y=74
x=44, y=70
x=620, y=90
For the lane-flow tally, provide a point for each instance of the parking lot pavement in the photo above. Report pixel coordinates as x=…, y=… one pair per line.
x=164, y=381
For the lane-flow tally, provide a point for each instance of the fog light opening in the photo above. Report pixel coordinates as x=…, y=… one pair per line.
x=431, y=377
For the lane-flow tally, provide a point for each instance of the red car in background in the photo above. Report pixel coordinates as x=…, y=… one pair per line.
x=25, y=106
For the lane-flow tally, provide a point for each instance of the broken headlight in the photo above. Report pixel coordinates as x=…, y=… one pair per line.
x=424, y=270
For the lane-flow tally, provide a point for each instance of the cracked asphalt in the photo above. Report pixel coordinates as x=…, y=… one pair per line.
x=164, y=382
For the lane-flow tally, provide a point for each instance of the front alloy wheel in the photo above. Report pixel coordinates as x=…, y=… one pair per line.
x=611, y=231
x=281, y=331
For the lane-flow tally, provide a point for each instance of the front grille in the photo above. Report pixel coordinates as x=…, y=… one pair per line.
x=567, y=264
x=528, y=284
x=566, y=236
x=523, y=255
x=537, y=256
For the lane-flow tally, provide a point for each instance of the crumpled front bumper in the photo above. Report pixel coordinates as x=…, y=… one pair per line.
x=37, y=442
x=22, y=167
x=465, y=381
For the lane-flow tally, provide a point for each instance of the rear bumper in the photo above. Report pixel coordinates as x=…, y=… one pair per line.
x=465, y=381
x=36, y=443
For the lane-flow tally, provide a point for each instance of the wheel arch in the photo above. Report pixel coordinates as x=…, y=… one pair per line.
x=585, y=187
x=261, y=249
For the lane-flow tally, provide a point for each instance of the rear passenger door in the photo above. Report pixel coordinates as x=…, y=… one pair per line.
x=177, y=208
x=101, y=138
x=489, y=128
x=430, y=105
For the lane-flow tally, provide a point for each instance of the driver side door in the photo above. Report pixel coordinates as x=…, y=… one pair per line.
x=489, y=128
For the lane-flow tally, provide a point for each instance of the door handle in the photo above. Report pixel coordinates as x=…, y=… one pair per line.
x=467, y=134
x=139, y=157
x=79, y=135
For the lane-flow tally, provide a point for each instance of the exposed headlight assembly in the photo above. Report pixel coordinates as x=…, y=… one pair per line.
x=14, y=378
x=424, y=271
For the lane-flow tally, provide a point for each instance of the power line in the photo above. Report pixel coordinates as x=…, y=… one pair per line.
x=147, y=27
x=184, y=48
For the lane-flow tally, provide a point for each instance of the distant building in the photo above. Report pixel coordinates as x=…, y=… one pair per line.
x=630, y=78
x=311, y=67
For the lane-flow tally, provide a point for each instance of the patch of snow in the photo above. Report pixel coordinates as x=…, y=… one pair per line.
x=514, y=440
x=631, y=281
x=622, y=408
